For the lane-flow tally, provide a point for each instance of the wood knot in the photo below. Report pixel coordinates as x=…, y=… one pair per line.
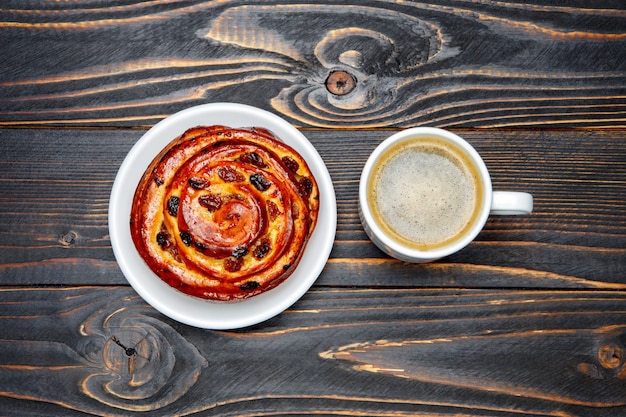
x=68, y=238
x=611, y=356
x=340, y=83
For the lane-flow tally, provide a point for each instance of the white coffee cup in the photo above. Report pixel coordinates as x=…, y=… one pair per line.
x=425, y=193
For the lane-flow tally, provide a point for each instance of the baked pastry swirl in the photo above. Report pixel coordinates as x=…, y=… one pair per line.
x=224, y=213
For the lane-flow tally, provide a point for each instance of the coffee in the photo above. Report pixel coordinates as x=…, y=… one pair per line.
x=425, y=193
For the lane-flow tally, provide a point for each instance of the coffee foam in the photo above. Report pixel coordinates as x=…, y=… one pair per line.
x=425, y=193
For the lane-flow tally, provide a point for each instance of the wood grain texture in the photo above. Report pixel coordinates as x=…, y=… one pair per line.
x=335, y=352
x=56, y=184
x=529, y=320
x=456, y=64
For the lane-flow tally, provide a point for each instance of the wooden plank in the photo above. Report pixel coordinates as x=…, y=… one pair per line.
x=458, y=65
x=102, y=351
x=56, y=183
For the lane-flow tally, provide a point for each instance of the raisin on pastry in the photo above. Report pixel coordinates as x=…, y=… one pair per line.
x=224, y=213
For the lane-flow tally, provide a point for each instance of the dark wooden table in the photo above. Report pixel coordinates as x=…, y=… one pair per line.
x=529, y=320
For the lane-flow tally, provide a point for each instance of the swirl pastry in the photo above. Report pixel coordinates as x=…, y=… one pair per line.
x=224, y=213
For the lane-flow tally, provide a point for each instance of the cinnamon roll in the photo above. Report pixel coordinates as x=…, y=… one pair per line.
x=224, y=213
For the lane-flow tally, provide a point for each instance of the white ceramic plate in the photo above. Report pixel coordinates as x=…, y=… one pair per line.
x=194, y=311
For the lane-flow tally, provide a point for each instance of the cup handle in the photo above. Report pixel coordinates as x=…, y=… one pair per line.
x=511, y=203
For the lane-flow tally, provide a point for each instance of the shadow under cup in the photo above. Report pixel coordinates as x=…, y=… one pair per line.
x=424, y=193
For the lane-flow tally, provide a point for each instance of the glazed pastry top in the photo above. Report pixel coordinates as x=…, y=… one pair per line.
x=224, y=213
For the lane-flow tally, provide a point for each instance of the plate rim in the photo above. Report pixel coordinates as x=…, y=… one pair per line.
x=274, y=301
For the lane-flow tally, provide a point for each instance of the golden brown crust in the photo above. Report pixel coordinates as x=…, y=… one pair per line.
x=224, y=213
